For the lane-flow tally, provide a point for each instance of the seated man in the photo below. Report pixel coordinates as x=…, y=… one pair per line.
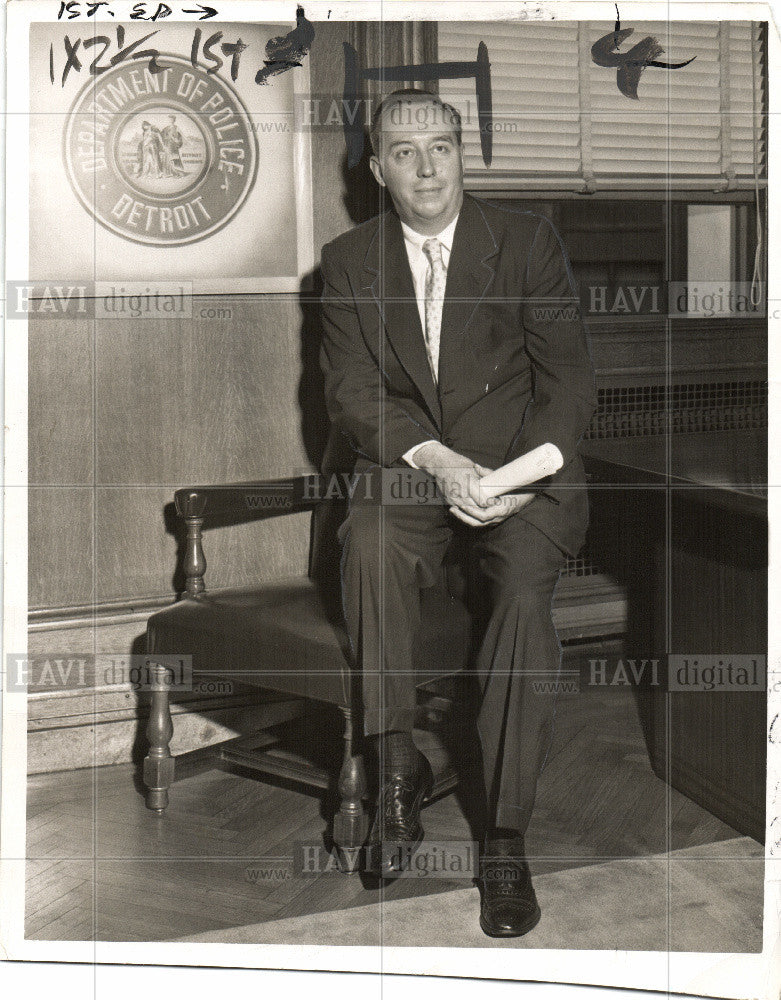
x=453, y=344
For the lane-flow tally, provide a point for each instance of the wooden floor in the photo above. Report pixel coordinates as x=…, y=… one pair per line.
x=101, y=866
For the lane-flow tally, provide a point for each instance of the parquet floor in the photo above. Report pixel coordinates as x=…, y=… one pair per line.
x=101, y=866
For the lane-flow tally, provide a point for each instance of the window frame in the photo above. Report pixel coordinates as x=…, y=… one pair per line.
x=678, y=200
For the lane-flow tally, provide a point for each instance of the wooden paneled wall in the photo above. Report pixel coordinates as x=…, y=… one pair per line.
x=120, y=415
x=123, y=412
x=648, y=349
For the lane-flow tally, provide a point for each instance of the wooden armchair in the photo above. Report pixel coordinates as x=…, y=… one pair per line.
x=286, y=636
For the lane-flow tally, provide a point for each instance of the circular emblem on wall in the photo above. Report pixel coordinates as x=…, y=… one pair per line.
x=163, y=158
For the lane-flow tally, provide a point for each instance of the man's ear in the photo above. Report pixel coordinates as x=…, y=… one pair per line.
x=376, y=169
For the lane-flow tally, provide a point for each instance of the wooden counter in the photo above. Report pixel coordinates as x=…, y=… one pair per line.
x=697, y=532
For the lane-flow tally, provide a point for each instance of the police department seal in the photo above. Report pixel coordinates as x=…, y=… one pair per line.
x=163, y=158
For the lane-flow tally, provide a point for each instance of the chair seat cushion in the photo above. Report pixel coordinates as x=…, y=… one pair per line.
x=279, y=636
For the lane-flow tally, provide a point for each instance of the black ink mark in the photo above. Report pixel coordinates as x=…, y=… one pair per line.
x=629, y=65
x=212, y=61
x=233, y=49
x=207, y=12
x=103, y=40
x=71, y=8
x=775, y=839
x=354, y=121
x=287, y=51
x=129, y=50
x=771, y=736
x=139, y=12
x=72, y=60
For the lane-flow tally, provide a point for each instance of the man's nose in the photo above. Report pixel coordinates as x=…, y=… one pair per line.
x=425, y=164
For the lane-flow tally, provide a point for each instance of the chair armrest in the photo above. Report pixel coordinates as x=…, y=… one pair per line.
x=224, y=504
x=234, y=503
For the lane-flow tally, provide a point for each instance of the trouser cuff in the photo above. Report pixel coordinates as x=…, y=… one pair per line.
x=512, y=817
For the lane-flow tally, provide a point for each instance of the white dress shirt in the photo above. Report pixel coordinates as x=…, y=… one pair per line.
x=419, y=265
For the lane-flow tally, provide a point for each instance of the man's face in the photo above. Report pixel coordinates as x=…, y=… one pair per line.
x=421, y=164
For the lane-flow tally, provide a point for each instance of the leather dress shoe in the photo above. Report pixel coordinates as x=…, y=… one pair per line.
x=508, y=907
x=397, y=832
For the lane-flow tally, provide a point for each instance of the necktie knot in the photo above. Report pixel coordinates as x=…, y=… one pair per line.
x=433, y=250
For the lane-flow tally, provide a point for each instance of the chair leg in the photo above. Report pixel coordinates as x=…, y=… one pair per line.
x=351, y=822
x=158, y=763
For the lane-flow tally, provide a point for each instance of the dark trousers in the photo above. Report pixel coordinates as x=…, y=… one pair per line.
x=389, y=552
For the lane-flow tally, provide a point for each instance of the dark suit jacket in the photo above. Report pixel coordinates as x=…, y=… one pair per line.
x=514, y=365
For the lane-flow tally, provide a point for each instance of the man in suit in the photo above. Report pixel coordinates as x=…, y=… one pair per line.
x=453, y=344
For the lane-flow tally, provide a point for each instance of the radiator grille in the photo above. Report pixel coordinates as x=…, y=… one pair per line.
x=643, y=410
x=639, y=410
x=580, y=565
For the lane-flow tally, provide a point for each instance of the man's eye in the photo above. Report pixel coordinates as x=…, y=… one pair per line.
x=442, y=147
x=402, y=152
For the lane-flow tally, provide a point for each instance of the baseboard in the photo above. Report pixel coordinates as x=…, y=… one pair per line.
x=67, y=742
x=589, y=606
x=91, y=723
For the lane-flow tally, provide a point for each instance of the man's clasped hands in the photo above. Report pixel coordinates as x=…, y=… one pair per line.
x=458, y=479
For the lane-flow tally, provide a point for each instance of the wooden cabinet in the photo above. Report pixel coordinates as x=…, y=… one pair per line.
x=700, y=531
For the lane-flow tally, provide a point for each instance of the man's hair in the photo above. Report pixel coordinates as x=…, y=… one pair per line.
x=410, y=95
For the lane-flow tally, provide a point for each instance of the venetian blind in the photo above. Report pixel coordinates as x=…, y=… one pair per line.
x=560, y=121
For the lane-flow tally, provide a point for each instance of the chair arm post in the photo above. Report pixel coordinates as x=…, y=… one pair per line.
x=194, y=559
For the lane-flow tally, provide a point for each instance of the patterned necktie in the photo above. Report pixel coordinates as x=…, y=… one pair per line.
x=436, y=277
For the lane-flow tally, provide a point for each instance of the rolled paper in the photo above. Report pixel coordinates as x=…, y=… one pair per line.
x=535, y=464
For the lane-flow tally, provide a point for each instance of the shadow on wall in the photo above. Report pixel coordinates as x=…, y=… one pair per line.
x=362, y=199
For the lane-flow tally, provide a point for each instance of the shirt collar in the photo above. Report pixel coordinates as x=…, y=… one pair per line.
x=418, y=239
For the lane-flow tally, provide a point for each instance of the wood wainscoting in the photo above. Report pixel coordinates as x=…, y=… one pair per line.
x=83, y=716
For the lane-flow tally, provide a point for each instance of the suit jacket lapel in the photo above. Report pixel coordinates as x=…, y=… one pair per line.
x=389, y=277
x=469, y=276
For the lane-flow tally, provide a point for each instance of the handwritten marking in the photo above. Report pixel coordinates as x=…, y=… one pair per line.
x=629, y=65
x=71, y=9
x=207, y=12
x=139, y=12
x=208, y=51
x=233, y=49
x=287, y=51
x=480, y=69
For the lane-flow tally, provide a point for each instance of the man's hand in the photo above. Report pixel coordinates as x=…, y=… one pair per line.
x=458, y=479
x=499, y=508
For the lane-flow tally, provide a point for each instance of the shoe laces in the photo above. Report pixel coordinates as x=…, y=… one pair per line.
x=391, y=806
x=510, y=884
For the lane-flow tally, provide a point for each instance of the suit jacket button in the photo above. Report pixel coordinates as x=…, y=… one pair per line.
x=447, y=441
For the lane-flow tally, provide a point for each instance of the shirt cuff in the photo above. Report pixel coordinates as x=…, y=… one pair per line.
x=407, y=456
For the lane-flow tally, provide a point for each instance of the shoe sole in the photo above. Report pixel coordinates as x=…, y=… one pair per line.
x=530, y=924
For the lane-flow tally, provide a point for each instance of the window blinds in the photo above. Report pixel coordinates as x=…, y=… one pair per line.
x=560, y=121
